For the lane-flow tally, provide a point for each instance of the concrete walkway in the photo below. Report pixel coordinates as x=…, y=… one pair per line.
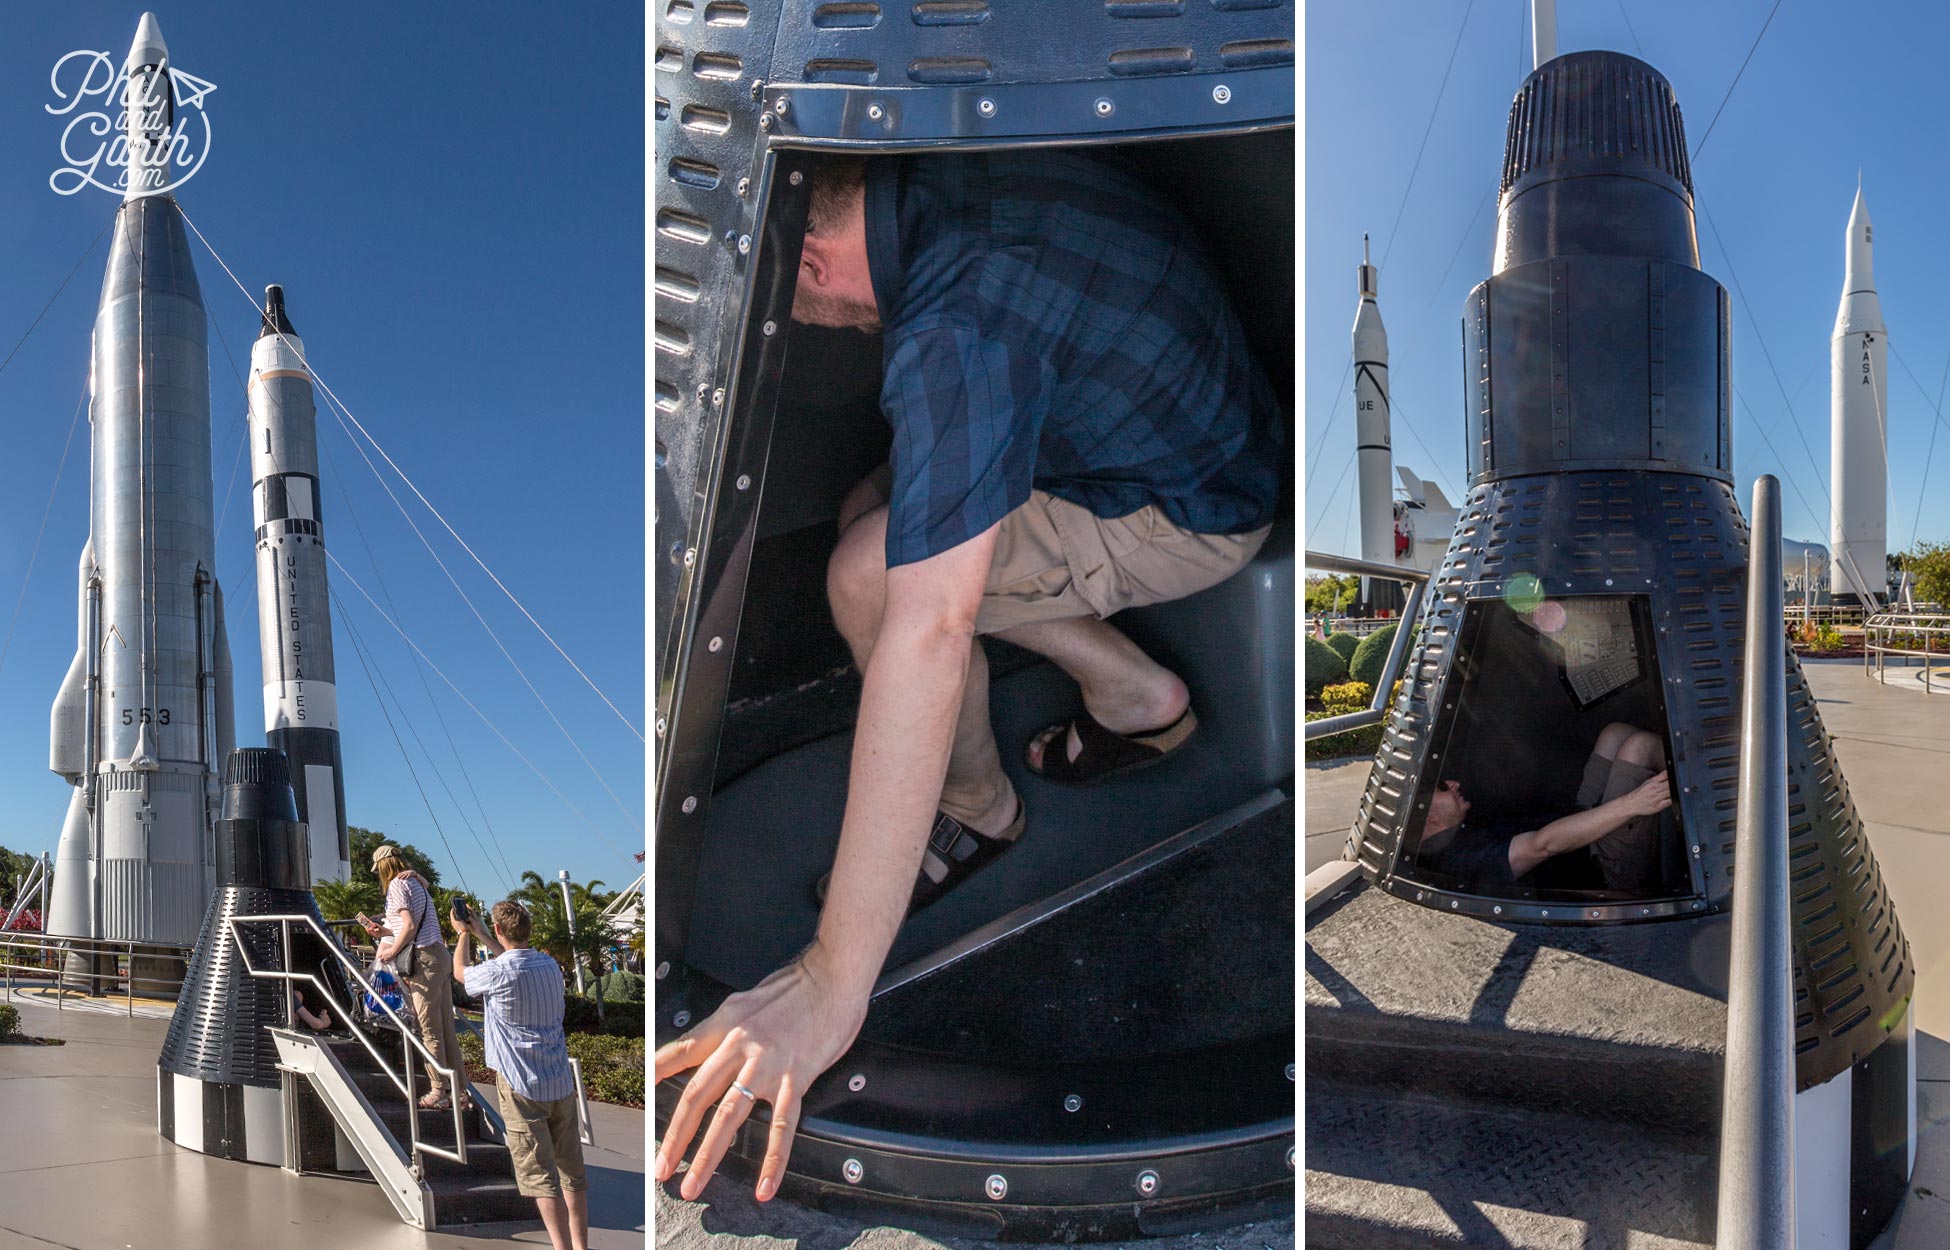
x=81, y=1165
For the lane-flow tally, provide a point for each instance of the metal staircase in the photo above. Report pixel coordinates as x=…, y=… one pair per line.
x=350, y=1098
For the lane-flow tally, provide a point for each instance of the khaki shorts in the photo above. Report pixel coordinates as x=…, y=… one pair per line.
x=1055, y=560
x=545, y=1140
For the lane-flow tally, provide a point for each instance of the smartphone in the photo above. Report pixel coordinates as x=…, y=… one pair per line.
x=462, y=910
x=365, y=921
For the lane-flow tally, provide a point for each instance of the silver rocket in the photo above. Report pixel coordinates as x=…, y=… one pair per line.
x=294, y=615
x=1373, y=452
x=143, y=718
x=1859, y=422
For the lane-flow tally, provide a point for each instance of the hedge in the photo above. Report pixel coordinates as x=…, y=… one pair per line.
x=620, y=987
x=1324, y=667
x=9, y=1021
x=620, y=1019
x=612, y=1067
x=1344, y=644
x=1372, y=656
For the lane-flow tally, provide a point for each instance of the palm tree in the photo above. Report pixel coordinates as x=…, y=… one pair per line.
x=591, y=937
x=343, y=900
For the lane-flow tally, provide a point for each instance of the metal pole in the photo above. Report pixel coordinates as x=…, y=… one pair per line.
x=1756, y=1201
x=1543, y=32
x=569, y=919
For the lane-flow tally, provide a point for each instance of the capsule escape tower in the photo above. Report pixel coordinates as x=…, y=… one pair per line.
x=1461, y=1020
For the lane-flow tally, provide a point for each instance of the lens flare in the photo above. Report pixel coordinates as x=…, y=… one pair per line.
x=1523, y=592
x=1550, y=616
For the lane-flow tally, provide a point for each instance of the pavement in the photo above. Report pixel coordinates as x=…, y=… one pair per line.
x=1893, y=740
x=82, y=1166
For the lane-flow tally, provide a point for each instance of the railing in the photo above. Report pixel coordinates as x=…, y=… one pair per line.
x=456, y=1081
x=1416, y=581
x=35, y=961
x=1756, y=1199
x=1888, y=633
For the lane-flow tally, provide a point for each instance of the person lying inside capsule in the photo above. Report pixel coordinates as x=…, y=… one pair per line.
x=1625, y=787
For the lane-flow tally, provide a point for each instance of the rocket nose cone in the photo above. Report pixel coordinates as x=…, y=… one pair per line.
x=148, y=48
x=275, y=320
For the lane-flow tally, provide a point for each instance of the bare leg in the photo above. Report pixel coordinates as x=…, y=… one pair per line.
x=578, y=1200
x=555, y=1218
x=1629, y=855
x=976, y=791
x=1123, y=688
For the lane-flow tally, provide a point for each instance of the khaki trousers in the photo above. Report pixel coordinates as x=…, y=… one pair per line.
x=430, y=995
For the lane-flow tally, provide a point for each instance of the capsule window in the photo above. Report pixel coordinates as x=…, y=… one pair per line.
x=1544, y=782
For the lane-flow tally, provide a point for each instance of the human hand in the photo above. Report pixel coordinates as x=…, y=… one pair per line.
x=773, y=1039
x=1652, y=796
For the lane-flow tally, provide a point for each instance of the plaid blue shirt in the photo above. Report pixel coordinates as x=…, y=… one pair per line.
x=520, y=992
x=1051, y=323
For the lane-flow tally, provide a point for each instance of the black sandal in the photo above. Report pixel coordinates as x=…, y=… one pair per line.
x=1102, y=754
x=953, y=853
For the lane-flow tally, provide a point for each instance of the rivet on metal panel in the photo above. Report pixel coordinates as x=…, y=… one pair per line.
x=1147, y=1182
x=758, y=88
x=744, y=187
x=662, y=725
x=1222, y=94
x=764, y=121
x=682, y=1020
x=1104, y=107
x=1072, y=1103
x=744, y=481
x=797, y=177
x=852, y=1171
x=875, y=112
x=996, y=1187
x=690, y=556
x=717, y=398
x=663, y=970
x=1289, y=1158
x=744, y=244
x=1497, y=910
x=1289, y=1072
x=782, y=105
x=856, y=1082
x=714, y=645
x=985, y=106
x=690, y=804
x=703, y=391
x=771, y=328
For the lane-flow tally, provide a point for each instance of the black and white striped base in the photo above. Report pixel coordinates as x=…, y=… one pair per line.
x=242, y=1122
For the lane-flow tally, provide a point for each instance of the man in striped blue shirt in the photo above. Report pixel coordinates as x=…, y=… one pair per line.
x=521, y=996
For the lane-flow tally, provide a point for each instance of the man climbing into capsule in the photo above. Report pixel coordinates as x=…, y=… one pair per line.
x=1624, y=788
x=1078, y=428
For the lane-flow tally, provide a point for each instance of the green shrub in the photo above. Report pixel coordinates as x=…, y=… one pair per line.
x=1372, y=656
x=612, y=1067
x=620, y=987
x=1351, y=696
x=9, y=1021
x=1344, y=644
x=1324, y=667
x=622, y=1019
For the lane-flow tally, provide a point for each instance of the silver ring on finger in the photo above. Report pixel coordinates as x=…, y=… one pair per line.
x=736, y=1088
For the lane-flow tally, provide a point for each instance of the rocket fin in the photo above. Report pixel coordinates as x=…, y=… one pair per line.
x=69, y=912
x=68, y=732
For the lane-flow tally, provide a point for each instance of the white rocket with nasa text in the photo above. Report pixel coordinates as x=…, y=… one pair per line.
x=1859, y=429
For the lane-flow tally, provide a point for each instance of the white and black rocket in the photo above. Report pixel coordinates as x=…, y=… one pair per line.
x=1374, y=454
x=1858, y=446
x=301, y=705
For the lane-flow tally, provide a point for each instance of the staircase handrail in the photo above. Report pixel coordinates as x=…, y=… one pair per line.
x=456, y=1081
x=1416, y=580
x=1756, y=1195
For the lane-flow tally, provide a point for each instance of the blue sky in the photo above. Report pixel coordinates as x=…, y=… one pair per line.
x=1831, y=89
x=451, y=196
